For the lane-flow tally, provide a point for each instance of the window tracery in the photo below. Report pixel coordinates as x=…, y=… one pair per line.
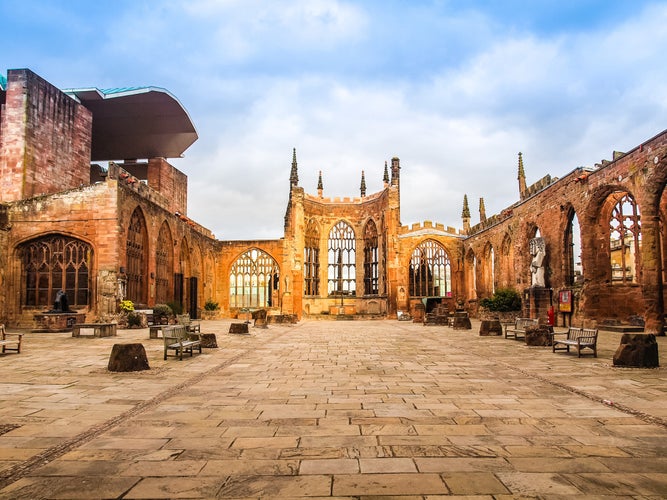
x=311, y=259
x=430, y=271
x=371, y=259
x=253, y=279
x=54, y=263
x=342, y=257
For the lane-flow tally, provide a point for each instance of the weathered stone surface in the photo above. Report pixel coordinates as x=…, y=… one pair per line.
x=637, y=350
x=209, y=340
x=490, y=327
x=461, y=323
x=128, y=358
x=238, y=328
x=539, y=335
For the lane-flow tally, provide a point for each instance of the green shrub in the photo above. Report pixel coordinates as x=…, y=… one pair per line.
x=162, y=310
x=210, y=305
x=176, y=307
x=503, y=300
x=133, y=319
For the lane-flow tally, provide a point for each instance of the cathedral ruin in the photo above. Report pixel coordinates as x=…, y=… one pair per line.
x=103, y=234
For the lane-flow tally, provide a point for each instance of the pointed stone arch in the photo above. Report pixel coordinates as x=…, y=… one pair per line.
x=430, y=271
x=136, y=258
x=341, y=263
x=164, y=265
x=254, y=280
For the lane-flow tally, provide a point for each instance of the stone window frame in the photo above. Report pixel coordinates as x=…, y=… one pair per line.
x=428, y=259
x=52, y=263
x=164, y=264
x=136, y=258
x=311, y=259
x=625, y=221
x=341, y=264
x=371, y=259
x=256, y=275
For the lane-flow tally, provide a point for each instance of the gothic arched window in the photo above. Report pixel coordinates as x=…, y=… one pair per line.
x=164, y=265
x=136, y=259
x=371, y=259
x=625, y=240
x=55, y=263
x=342, y=256
x=430, y=271
x=311, y=259
x=253, y=279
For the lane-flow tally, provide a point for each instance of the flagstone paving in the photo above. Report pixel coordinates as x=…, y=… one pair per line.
x=330, y=409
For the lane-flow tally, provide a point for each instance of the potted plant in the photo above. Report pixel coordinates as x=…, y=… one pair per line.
x=503, y=307
x=211, y=309
x=162, y=313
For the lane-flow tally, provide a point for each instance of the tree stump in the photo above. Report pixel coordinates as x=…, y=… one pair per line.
x=638, y=350
x=238, y=328
x=490, y=327
x=209, y=340
x=128, y=358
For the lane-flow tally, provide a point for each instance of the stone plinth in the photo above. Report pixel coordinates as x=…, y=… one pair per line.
x=128, y=358
x=537, y=301
x=57, y=322
x=540, y=335
x=637, y=350
x=238, y=328
x=461, y=321
x=490, y=327
x=209, y=340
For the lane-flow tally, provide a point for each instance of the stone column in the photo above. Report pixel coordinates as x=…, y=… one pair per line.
x=652, y=275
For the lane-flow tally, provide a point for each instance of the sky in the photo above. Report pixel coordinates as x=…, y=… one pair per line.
x=455, y=89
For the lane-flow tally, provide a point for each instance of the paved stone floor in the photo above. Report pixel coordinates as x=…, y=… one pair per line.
x=344, y=409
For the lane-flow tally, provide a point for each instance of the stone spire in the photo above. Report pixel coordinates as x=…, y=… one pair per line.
x=522, y=178
x=465, y=215
x=395, y=171
x=320, y=186
x=385, y=179
x=294, y=174
x=363, y=184
x=482, y=210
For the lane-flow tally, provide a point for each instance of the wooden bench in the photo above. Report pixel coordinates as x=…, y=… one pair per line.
x=10, y=339
x=191, y=326
x=178, y=339
x=99, y=329
x=581, y=338
x=517, y=330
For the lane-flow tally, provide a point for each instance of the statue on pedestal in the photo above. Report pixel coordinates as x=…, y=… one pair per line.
x=538, y=253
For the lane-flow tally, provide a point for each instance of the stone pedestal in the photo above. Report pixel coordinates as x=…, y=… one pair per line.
x=461, y=321
x=536, y=302
x=637, y=350
x=128, y=358
x=57, y=322
x=490, y=327
x=541, y=335
x=209, y=340
x=260, y=318
x=238, y=328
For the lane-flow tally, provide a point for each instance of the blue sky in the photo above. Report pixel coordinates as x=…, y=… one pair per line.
x=455, y=89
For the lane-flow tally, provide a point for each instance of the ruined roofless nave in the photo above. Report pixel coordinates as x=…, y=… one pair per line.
x=105, y=234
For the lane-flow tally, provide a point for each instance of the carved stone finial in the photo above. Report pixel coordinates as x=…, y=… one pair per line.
x=294, y=174
x=363, y=184
x=320, y=186
x=482, y=210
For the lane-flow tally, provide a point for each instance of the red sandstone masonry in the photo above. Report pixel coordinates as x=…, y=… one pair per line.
x=46, y=139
